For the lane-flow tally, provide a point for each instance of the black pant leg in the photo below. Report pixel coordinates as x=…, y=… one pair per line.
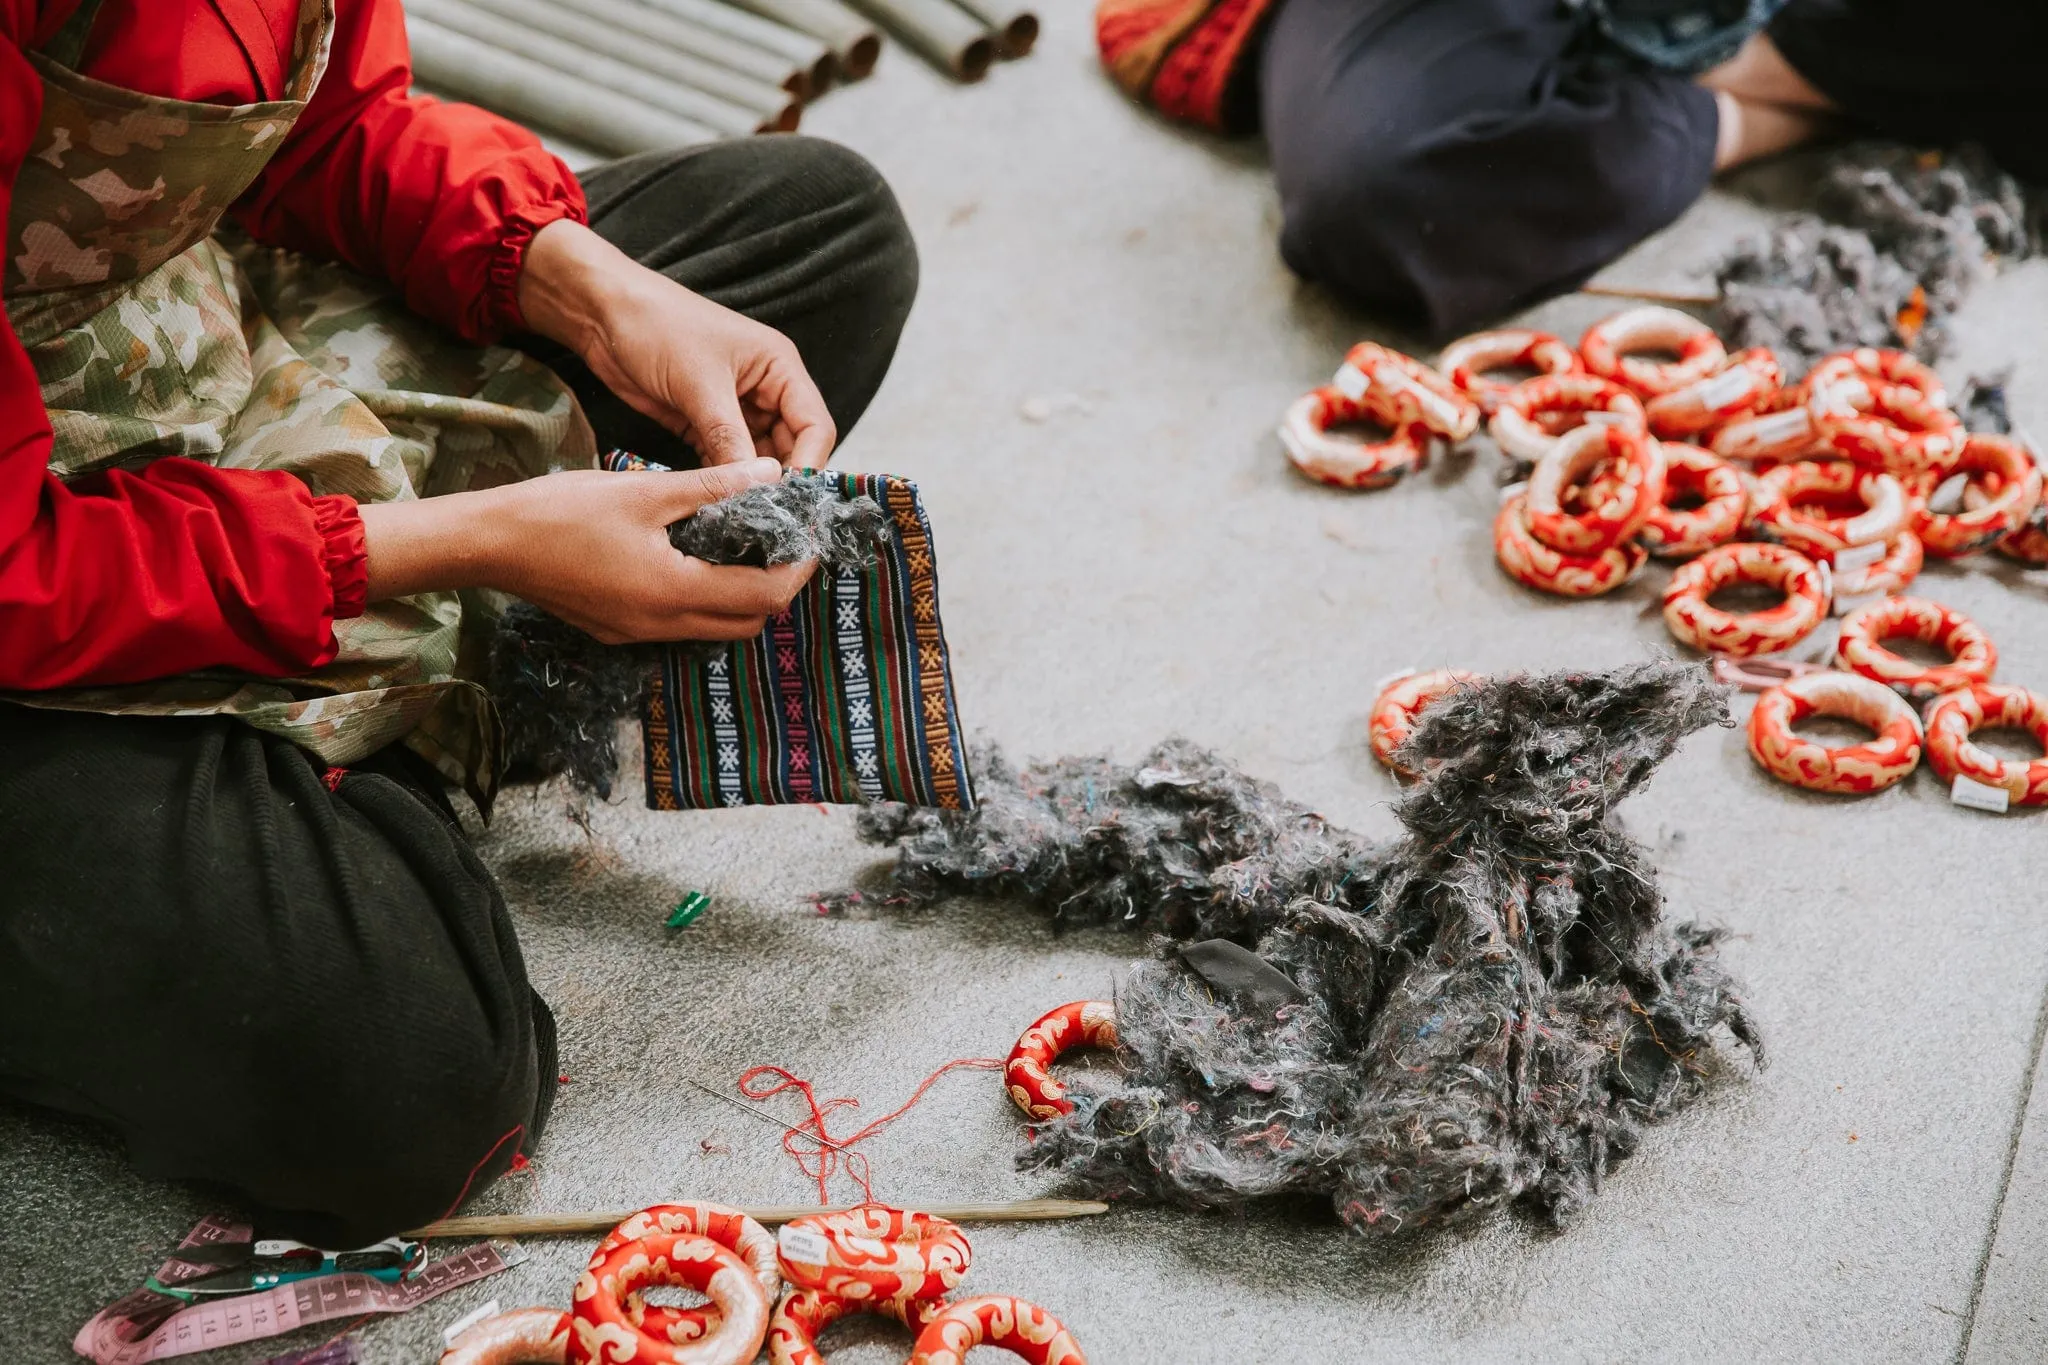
x=1969, y=72
x=1447, y=161
x=795, y=232
x=312, y=997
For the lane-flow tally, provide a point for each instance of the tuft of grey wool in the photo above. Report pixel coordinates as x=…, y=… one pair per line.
x=1491, y=1009
x=561, y=692
x=1889, y=219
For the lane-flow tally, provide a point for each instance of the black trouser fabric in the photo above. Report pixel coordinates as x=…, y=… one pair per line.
x=795, y=232
x=311, y=994
x=1446, y=161
x=1962, y=71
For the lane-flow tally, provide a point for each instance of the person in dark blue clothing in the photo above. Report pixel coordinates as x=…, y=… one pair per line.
x=1448, y=161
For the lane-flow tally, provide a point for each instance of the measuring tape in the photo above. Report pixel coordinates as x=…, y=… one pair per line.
x=116, y=1336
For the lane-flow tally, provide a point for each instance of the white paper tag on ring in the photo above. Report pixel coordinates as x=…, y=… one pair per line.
x=1513, y=491
x=1601, y=417
x=804, y=1246
x=1965, y=791
x=1858, y=557
x=1779, y=426
x=1350, y=381
x=469, y=1320
x=1726, y=387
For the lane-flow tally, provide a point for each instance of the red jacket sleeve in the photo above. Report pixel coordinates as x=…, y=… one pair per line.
x=440, y=199
x=180, y=567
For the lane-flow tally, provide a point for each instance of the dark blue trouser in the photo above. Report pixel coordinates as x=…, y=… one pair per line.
x=1446, y=161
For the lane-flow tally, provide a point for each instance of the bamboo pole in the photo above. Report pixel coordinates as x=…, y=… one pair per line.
x=1015, y=27
x=536, y=94
x=586, y=1224
x=1673, y=297
x=853, y=40
x=574, y=65
x=807, y=50
x=634, y=35
x=952, y=39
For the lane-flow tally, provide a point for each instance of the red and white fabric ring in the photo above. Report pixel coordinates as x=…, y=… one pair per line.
x=1345, y=461
x=1897, y=564
x=1719, y=503
x=1606, y=348
x=729, y=1228
x=1954, y=716
x=1746, y=382
x=874, y=1254
x=603, y=1330
x=1781, y=428
x=1400, y=702
x=1694, y=621
x=1886, y=366
x=1023, y=1329
x=1468, y=360
x=524, y=1336
x=1885, y=426
x=1842, y=769
x=1616, y=509
x=2007, y=487
x=1972, y=656
x=1533, y=564
x=1403, y=391
x=804, y=1313
x=1534, y=413
x=1814, y=486
x=1028, y=1072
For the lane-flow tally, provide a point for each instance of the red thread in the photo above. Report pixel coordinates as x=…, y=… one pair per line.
x=825, y=1159
x=463, y=1193
x=332, y=778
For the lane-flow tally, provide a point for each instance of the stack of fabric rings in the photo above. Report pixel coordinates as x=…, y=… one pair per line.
x=1375, y=385
x=1546, y=545
x=719, y=1252
x=901, y=1264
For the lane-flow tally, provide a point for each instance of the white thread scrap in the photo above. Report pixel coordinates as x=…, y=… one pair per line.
x=469, y=1320
x=1965, y=791
x=802, y=1246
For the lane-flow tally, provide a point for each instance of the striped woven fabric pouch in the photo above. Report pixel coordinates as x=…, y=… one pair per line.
x=845, y=697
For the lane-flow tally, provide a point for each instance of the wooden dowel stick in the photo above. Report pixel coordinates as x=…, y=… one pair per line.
x=585, y=1224
x=1616, y=291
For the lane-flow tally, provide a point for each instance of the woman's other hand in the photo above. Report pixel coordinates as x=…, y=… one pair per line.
x=728, y=385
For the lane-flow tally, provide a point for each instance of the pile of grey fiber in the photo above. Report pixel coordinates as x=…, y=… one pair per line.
x=1482, y=1013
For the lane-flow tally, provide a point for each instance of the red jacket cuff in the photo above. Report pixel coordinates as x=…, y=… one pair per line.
x=345, y=552
x=509, y=259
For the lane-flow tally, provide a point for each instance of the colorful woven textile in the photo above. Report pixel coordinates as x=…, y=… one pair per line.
x=845, y=697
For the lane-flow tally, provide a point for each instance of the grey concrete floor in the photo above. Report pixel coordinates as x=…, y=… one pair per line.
x=1140, y=561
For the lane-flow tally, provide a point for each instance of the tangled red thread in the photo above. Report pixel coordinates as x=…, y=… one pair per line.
x=820, y=1155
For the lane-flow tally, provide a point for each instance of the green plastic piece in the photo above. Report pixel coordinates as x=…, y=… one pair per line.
x=688, y=909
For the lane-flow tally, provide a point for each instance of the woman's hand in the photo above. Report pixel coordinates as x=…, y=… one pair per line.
x=729, y=386
x=590, y=547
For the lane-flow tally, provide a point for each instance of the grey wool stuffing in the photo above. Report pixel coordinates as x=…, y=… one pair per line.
x=561, y=693
x=1888, y=219
x=1490, y=1008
